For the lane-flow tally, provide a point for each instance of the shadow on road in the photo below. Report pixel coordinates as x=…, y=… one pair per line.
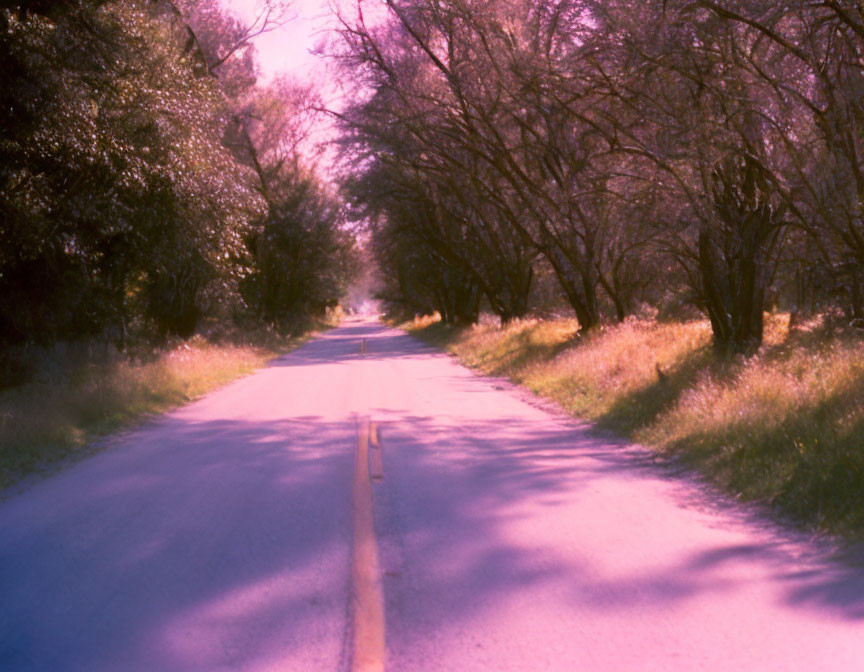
x=212, y=541
x=228, y=540
x=464, y=506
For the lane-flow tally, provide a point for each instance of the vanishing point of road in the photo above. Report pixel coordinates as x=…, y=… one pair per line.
x=393, y=511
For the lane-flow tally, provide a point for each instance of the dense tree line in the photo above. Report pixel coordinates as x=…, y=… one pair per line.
x=147, y=182
x=638, y=150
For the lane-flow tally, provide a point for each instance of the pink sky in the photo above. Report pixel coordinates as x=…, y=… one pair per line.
x=286, y=49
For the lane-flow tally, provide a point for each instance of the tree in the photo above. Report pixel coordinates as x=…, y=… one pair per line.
x=300, y=255
x=113, y=173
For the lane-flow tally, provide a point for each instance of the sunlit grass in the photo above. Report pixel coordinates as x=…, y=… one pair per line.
x=785, y=427
x=72, y=399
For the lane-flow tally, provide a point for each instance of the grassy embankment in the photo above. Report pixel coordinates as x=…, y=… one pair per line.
x=73, y=396
x=785, y=427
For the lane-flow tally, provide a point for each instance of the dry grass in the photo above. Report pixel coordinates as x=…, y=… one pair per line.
x=75, y=396
x=785, y=427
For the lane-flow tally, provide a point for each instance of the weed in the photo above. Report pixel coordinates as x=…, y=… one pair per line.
x=75, y=393
x=785, y=427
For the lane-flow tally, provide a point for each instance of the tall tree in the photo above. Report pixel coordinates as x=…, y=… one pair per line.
x=113, y=173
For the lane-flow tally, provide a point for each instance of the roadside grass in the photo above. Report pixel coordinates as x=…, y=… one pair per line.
x=785, y=427
x=74, y=395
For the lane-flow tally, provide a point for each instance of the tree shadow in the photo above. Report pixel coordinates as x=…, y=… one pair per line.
x=809, y=467
x=515, y=460
x=226, y=543
x=201, y=544
x=641, y=407
x=453, y=501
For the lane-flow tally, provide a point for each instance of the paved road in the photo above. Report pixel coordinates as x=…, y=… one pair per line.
x=220, y=538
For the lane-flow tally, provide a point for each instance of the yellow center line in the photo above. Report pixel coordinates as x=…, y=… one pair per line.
x=367, y=593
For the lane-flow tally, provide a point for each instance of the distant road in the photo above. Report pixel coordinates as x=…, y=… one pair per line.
x=229, y=535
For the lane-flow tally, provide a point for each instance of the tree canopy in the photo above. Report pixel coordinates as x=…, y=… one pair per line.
x=640, y=151
x=126, y=199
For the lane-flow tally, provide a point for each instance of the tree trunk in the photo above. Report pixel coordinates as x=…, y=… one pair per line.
x=733, y=258
x=580, y=290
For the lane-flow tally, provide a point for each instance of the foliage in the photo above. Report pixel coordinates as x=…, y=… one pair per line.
x=72, y=395
x=589, y=137
x=114, y=180
x=127, y=193
x=301, y=256
x=302, y=260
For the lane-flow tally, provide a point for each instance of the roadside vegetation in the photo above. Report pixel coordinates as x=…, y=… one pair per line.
x=68, y=395
x=149, y=184
x=784, y=427
x=700, y=163
x=165, y=225
x=609, y=154
x=685, y=179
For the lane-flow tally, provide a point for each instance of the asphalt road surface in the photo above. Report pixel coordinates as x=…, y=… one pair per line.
x=241, y=533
